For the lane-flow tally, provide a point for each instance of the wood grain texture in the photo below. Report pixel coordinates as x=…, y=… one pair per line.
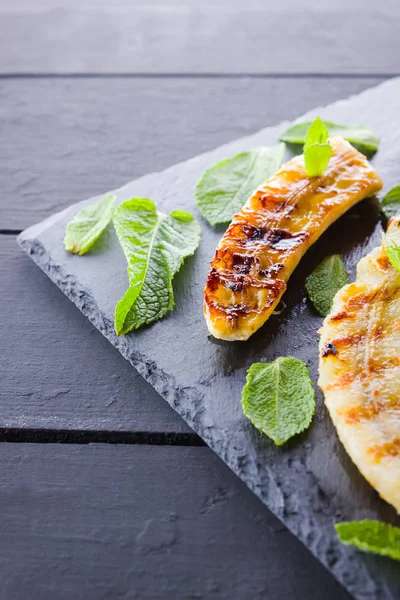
x=99, y=522
x=188, y=37
x=57, y=372
x=65, y=140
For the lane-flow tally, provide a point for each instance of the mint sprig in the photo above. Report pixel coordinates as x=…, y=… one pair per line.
x=88, y=225
x=226, y=186
x=360, y=136
x=317, y=150
x=371, y=536
x=155, y=246
x=325, y=281
x=278, y=398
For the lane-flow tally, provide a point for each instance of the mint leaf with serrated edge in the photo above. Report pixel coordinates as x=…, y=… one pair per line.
x=278, y=398
x=88, y=225
x=360, y=136
x=155, y=246
x=390, y=204
x=325, y=281
x=371, y=536
x=317, y=150
x=225, y=187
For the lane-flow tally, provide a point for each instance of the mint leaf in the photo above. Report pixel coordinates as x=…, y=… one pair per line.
x=323, y=283
x=155, y=246
x=225, y=187
x=371, y=536
x=88, y=225
x=278, y=398
x=392, y=252
x=390, y=204
x=317, y=133
x=361, y=137
x=316, y=159
x=317, y=151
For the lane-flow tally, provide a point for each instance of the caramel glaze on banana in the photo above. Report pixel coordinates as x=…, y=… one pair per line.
x=359, y=369
x=268, y=237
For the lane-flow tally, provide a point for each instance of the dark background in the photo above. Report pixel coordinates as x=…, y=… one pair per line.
x=105, y=492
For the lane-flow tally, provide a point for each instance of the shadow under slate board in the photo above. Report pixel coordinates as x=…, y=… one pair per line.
x=310, y=483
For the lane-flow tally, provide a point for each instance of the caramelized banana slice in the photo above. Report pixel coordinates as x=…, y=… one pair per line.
x=268, y=237
x=359, y=369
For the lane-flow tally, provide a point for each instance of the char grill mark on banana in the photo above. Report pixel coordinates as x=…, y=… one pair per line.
x=268, y=237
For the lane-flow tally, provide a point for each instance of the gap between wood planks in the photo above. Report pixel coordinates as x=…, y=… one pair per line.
x=65, y=436
x=138, y=75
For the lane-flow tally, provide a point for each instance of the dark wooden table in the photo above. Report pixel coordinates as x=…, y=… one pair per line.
x=105, y=492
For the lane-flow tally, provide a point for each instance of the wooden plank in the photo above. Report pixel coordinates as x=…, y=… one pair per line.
x=65, y=140
x=44, y=386
x=99, y=522
x=174, y=6
x=192, y=37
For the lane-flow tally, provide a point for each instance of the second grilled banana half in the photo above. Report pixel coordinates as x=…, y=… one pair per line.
x=359, y=369
x=268, y=237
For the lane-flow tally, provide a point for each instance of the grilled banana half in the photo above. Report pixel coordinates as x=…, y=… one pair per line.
x=359, y=369
x=268, y=237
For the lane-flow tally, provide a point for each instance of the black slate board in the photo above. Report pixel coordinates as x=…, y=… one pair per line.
x=310, y=483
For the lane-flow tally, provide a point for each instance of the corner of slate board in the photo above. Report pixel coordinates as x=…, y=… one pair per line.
x=311, y=483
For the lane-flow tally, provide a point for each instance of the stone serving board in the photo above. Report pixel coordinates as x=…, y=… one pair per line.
x=310, y=483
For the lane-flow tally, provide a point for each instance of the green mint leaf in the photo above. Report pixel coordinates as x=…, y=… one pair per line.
x=317, y=133
x=390, y=204
x=317, y=151
x=323, y=283
x=361, y=137
x=392, y=252
x=278, y=398
x=371, y=536
x=88, y=225
x=155, y=246
x=316, y=159
x=225, y=187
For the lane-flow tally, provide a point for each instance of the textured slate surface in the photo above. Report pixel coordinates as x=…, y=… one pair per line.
x=311, y=483
x=51, y=158
x=98, y=522
x=228, y=36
